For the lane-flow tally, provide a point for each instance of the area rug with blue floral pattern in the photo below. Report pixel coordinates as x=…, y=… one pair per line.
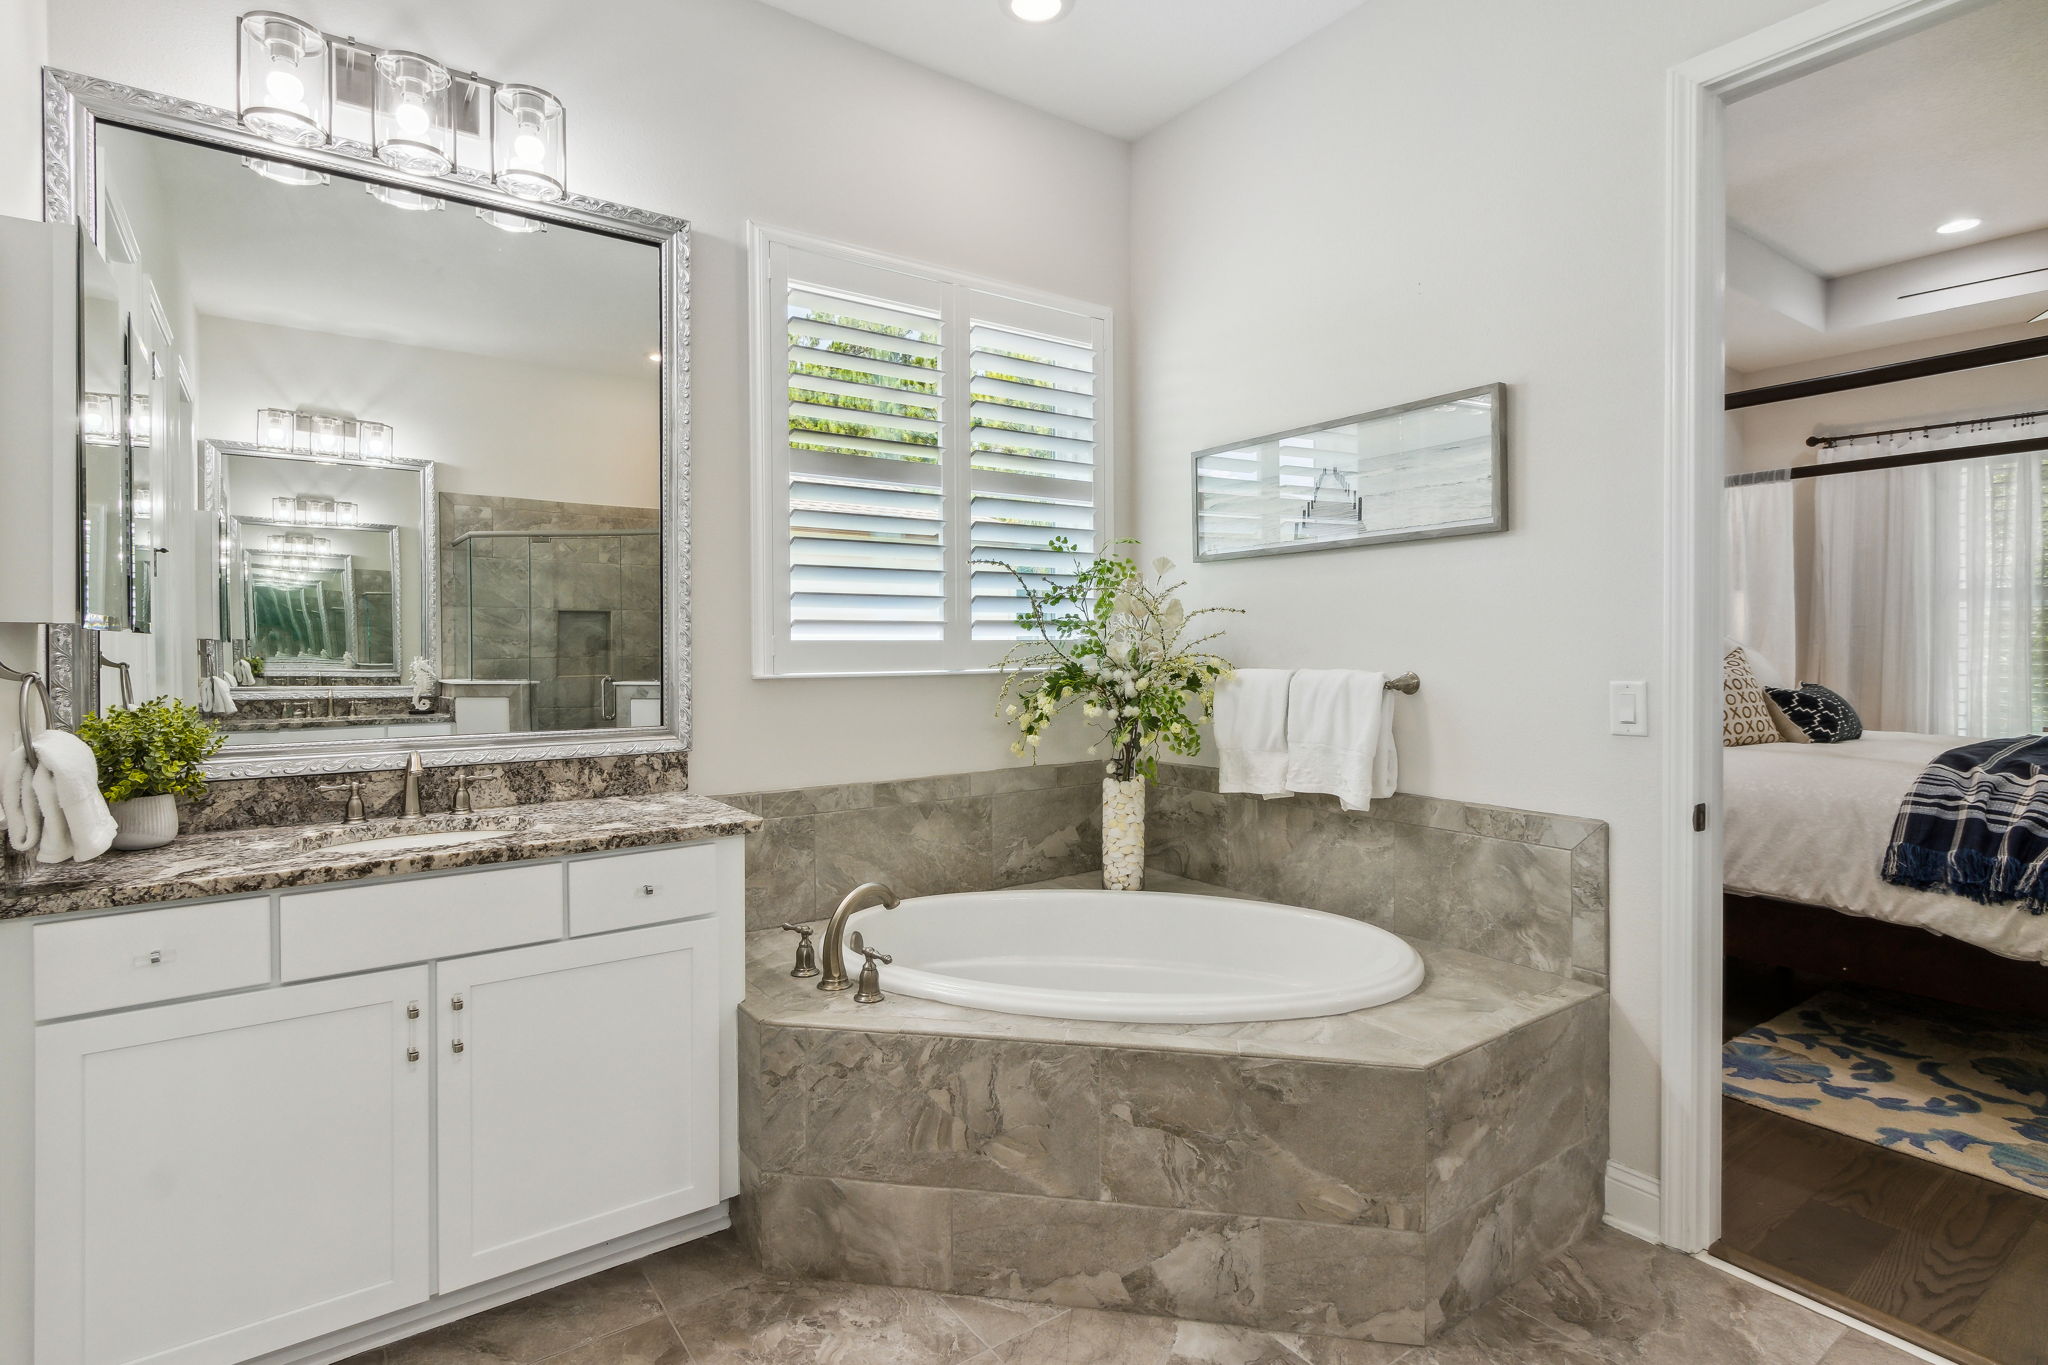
x=1962, y=1087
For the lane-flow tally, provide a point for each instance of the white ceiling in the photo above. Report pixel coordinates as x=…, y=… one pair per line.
x=1846, y=172
x=332, y=259
x=1121, y=66
x=1854, y=165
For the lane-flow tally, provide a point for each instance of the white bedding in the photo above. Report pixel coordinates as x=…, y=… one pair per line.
x=1810, y=822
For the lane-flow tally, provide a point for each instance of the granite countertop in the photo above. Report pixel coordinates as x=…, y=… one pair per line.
x=252, y=724
x=1465, y=1000
x=253, y=860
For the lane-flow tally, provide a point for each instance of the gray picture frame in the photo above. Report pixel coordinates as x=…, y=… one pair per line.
x=1492, y=481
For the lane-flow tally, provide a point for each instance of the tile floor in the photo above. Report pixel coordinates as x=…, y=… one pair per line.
x=1612, y=1300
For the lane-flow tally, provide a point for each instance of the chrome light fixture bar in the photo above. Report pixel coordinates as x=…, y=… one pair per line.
x=294, y=82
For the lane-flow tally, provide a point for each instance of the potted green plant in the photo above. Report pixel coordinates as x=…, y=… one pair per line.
x=149, y=756
x=1103, y=636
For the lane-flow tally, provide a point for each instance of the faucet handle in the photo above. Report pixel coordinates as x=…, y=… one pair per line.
x=870, y=991
x=806, y=955
x=353, y=813
x=869, y=953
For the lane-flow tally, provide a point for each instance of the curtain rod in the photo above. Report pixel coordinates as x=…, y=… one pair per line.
x=1822, y=471
x=1830, y=442
x=2004, y=353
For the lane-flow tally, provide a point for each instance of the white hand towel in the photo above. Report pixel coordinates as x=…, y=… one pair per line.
x=217, y=692
x=1251, y=731
x=66, y=768
x=24, y=818
x=1340, y=735
x=245, y=676
x=55, y=845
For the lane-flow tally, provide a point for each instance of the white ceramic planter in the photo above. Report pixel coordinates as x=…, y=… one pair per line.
x=1123, y=834
x=145, y=822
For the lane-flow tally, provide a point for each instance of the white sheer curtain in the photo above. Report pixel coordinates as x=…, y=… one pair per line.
x=1926, y=582
x=1762, y=602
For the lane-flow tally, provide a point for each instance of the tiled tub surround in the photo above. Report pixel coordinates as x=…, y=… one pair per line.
x=1374, y=1175
x=1521, y=886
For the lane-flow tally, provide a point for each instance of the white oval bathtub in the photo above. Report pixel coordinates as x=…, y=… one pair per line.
x=1139, y=956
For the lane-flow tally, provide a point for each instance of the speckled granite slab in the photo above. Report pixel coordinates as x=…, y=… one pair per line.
x=1466, y=1001
x=242, y=861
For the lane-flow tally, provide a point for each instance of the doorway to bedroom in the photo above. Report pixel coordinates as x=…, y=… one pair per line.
x=1884, y=1004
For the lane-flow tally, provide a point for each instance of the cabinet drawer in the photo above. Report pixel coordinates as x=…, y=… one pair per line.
x=385, y=924
x=643, y=888
x=118, y=960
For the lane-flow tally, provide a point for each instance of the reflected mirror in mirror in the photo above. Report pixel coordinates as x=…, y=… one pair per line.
x=458, y=475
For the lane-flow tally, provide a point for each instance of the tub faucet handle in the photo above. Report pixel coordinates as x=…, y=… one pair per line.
x=870, y=989
x=806, y=955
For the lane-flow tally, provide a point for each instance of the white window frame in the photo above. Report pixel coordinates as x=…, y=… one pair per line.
x=775, y=654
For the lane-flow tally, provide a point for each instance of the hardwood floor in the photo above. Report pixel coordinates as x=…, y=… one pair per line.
x=1954, y=1262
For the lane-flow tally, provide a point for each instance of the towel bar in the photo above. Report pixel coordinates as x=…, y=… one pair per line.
x=1407, y=683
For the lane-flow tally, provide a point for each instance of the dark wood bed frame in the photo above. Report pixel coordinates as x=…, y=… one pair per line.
x=1845, y=949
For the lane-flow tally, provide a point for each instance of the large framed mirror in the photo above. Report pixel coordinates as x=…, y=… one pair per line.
x=372, y=463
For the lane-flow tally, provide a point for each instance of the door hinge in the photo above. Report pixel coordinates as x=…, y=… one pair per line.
x=1699, y=818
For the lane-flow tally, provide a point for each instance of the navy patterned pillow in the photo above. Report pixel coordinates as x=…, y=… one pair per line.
x=1822, y=714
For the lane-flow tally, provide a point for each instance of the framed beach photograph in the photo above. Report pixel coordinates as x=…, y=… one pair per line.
x=1420, y=471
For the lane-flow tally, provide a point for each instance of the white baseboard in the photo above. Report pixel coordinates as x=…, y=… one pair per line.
x=1634, y=1202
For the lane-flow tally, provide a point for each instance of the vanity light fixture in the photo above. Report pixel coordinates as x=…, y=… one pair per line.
x=373, y=441
x=319, y=434
x=1955, y=225
x=284, y=79
x=529, y=142
x=511, y=222
x=276, y=428
x=1036, y=11
x=409, y=113
x=283, y=172
x=410, y=200
x=98, y=420
x=323, y=435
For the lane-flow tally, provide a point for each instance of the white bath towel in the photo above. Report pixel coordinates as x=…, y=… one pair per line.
x=23, y=817
x=68, y=791
x=217, y=695
x=1340, y=735
x=245, y=676
x=1251, y=731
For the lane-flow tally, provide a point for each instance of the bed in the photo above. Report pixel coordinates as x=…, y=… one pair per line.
x=1804, y=835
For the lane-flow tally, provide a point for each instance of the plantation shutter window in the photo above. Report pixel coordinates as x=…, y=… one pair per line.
x=910, y=423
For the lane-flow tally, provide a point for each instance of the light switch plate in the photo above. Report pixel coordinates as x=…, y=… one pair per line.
x=1628, y=708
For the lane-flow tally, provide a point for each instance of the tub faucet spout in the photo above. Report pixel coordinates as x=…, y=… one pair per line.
x=834, y=954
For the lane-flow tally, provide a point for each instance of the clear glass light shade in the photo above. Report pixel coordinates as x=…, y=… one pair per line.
x=410, y=114
x=283, y=172
x=374, y=440
x=323, y=435
x=345, y=514
x=282, y=509
x=275, y=428
x=409, y=200
x=511, y=222
x=98, y=419
x=283, y=79
x=529, y=143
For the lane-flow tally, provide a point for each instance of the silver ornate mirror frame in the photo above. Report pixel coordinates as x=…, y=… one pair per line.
x=73, y=106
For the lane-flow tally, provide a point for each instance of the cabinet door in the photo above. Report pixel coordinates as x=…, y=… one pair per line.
x=221, y=1178
x=578, y=1094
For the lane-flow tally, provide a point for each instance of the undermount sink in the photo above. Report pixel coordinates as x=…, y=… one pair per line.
x=380, y=838
x=392, y=842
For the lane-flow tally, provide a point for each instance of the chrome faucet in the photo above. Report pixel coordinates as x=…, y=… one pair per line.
x=860, y=898
x=413, y=769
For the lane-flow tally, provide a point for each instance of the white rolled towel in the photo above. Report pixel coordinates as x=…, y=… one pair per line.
x=245, y=676
x=1340, y=735
x=22, y=816
x=67, y=786
x=219, y=694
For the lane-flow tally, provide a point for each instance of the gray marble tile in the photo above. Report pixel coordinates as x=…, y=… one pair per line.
x=997, y=781
x=1184, y=833
x=651, y=1343
x=854, y=1230
x=1086, y=1337
x=995, y=1321
x=1209, y=1343
x=1188, y=776
x=1500, y=1110
x=1094, y=1255
x=957, y=1112
x=1856, y=1349
x=1589, y=902
x=918, y=850
x=1336, y=1281
x=1552, y=1207
x=1468, y=1260
x=782, y=873
x=776, y=805
x=782, y=1323
x=690, y=1273
x=1325, y=1143
x=535, y=1328
x=912, y=791
x=1053, y=832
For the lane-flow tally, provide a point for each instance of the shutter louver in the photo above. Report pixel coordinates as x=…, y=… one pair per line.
x=866, y=495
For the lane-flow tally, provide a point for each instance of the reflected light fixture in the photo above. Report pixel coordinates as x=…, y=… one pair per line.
x=282, y=76
x=1036, y=11
x=411, y=200
x=284, y=172
x=511, y=222
x=1955, y=225
x=654, y=356
x=409, y=112
x=97, y=419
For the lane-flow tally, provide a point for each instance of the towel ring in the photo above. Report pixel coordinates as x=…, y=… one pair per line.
x=31, y=685
x=127, y=682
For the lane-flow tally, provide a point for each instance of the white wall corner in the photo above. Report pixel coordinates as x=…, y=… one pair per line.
x=1634, y=1202
x=1767, y=275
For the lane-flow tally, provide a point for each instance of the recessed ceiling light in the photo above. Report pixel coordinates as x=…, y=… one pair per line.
x=1036, y=11
x=1960, y=225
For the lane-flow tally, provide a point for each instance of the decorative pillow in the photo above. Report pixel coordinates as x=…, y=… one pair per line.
x=1823, y=714
x=1787, y=731
x=1745, y=710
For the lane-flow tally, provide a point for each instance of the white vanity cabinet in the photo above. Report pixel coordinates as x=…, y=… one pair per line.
x=289, y=1170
